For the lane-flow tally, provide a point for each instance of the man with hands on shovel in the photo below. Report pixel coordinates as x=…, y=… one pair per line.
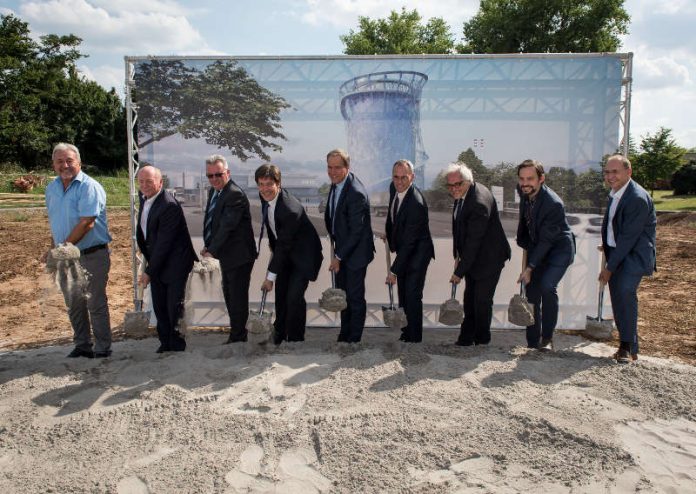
x=408, y=234
x=164, y=240
x=296, y=255
x=347, y=219
x=480, y=251
x=544, y=232
x=76, y=206
x=628, y=240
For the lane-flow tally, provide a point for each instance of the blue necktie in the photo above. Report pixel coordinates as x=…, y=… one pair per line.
x=332, y=205
x=208, y=227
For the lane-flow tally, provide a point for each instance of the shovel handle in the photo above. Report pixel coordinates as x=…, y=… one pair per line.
x=600, y=296
x=331, y=250
x=391, y=296
x=263, y=301
x=454, y=290
x=388, y=256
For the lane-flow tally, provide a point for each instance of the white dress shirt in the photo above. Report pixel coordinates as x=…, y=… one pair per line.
x=147, y=205
x=271, y=224
x=615, y=198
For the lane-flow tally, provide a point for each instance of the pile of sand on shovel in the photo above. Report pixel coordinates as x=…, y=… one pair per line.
x=451, y=312
x=394, y=317
x=63, y=262
x=333, y=300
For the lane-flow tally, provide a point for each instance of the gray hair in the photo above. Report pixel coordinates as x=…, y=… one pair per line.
x=340, y=152
x=620, y=157
x=213, y=158
x=144, y=165
x=463, y=170
x=403, y=162
x=64, y=146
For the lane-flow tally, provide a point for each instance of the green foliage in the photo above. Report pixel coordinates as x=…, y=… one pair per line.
x=401, y=34
x=666, y=200
x=44, y=101
x=684, y=179
x=541, y=26
x=481, y=173
x=659, y=158
x=221, y=103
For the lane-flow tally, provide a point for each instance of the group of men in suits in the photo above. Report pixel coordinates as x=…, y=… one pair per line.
x=480, y=248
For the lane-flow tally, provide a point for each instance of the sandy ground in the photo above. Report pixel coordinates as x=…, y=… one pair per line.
x=380, y=416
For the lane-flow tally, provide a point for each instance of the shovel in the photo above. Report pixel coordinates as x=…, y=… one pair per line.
x=596, y=327
x=520, y=311
x=333, y=299
x=394, y=317
x=259, y=323
x=137, y=322
x=451, y=311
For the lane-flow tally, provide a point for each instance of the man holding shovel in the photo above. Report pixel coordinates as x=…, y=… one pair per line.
x=164, y=240
x=76, y=206
x=229, y=237
x=544, y=232
x=480, y=251
x=628, y=240
x=296, y=255
x=408, y=234
x=347, y=219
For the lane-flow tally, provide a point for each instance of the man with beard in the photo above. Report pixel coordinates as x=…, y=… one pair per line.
x=544, y=232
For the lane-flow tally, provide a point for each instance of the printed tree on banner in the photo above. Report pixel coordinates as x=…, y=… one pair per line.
x=220, y=103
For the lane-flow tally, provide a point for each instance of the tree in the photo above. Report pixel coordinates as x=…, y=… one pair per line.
x=43, y=100
x=400, y=34
x=541, y=26
x=659, y=158
x=481, y=173
x=684, y=179
x=221, y=103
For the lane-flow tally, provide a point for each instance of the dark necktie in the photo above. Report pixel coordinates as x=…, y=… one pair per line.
x=332, y=206
x=208, y=227
x=529, y=219
x=395, y=209
x=264, y=220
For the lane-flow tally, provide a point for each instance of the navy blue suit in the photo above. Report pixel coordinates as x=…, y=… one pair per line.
x=232, y=242
x=481, y=247
x=632, y=258
x=409, y=236
x=170, y=256
x=550, y=245
x=296, y=260
x=354, y=246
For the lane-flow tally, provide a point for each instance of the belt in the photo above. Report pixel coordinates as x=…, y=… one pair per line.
x=92, y=249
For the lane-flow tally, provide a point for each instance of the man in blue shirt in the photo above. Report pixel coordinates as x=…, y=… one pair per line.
x=76, y=207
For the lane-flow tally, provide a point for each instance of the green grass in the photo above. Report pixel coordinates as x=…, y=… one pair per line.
x=666, y=201
x=116, y=187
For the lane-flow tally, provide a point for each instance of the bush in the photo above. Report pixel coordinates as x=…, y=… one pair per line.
x=684, y=180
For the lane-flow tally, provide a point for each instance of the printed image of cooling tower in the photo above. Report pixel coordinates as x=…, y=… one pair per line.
x=382, y=115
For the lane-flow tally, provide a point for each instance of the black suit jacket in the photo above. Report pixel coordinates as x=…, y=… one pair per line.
x=352, y=233
x=232, y=239
x=409, y=236
x=479, y=239
x=551, y=240
x=168, y=248
x=297, y=244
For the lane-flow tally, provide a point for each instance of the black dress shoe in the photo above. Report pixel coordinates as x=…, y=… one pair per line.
x=79, y=352
x=162, y=349
x=102, y=354
x=464, y=343
x=546, y=345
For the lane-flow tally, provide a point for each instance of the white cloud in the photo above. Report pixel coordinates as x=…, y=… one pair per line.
x=659, y=71
x=120, y=28
x=344, y=13
x=106, y=76
x=6, y=11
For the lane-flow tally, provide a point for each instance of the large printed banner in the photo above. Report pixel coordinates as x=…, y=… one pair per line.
x=489, y=112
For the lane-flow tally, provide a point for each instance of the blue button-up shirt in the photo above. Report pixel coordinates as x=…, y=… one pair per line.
x=84, y=198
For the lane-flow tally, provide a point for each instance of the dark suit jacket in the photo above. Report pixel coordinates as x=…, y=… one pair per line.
x=554, y=242
x=634, y=232
x=409, y=236
x=168, y=247
x=297, y=244
x=352, y=237
x=232, y=239
x=479, y=238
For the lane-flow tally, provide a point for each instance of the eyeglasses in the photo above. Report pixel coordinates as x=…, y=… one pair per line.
x=455, y=185
x=216, y=175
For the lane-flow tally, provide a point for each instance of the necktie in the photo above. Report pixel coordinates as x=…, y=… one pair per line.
x=264, y=220
x=528, y=216
x=332, y=205
x=395, y=209
x=208, y=227
x=457, y=206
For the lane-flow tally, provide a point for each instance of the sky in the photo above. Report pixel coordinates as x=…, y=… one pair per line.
x=662, y=38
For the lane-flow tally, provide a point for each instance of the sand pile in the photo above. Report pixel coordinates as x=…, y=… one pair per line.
x=378, y=416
